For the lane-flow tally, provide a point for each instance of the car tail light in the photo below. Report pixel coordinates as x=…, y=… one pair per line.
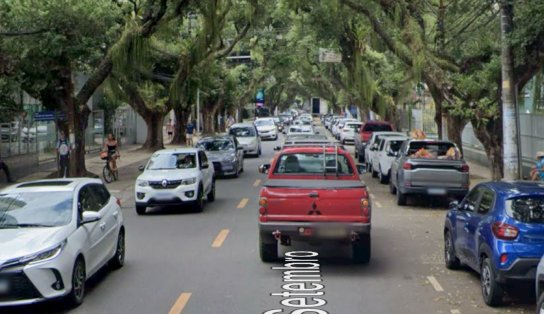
x=465, y=168
x=365, y=207
x=407, y=166
x=504, y=231
x=263, y=204
x=118, y=202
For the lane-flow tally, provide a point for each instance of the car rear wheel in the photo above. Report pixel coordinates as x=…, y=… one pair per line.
x=392, y=188
x=268, y=248
x=361, y=250
x=540, y=305
x=77, y=294
x=118, y=260
x=211, y=195
x=491, y=290
x=356, y=154
x=199, y=202
x=374, y=172
x=140, y=210
x=452, y=262
x=401, y=198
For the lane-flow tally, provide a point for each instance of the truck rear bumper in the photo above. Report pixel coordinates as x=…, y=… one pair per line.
x=429, y=191
x=300, y=229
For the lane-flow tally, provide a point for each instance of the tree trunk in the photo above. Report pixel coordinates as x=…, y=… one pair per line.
x=456, y=125
x=490, y=135
x=509, y=110
x=155, y=137
x=181, y=114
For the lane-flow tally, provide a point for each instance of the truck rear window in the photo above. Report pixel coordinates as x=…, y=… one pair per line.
x=528, y=209
x=306, y=163
x=377, y=128
x=433, y=150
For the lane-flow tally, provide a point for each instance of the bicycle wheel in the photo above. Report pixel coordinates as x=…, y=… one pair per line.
x=107, y=174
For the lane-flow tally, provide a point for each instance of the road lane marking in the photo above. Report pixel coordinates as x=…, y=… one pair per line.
x=372, y=196
x=218, y=242
x=455, y=312
x=436, y=285
x=180, y=304
x=379, y=204
x=243, y=203
x=257, y=182
x=115, y=191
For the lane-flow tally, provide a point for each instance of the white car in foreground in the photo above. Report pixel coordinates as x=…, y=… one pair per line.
x=175, y=177
x=385, y=155
x=54, y=234
x=267, y=128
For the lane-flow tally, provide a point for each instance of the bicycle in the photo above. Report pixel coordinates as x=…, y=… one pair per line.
x=109, y=174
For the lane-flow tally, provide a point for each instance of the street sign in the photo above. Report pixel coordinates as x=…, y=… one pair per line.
x=49, y=116
x=260, y=96
x=329, y=56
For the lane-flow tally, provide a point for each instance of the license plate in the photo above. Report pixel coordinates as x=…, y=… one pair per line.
x=164, y=197
x=4, y=286
x=437, y=191
x=332, y=233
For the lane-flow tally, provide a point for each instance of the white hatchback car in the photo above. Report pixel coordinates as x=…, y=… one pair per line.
x=54, y=234
x=247, y=135
x=348, y=132
x=267, y=128
x=385, y=155
x=175, y=177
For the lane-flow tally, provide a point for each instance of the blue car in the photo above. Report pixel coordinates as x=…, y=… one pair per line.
x=497, y=230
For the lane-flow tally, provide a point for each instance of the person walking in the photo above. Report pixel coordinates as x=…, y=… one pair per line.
x=170, y=129
x=537, y=172
x=4, y=166
x=189, y=132
x=63, y=153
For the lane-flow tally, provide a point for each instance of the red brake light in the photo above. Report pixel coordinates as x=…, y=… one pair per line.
x=504, y=231
x=465, y=168
x=407, y=166
x=365, y=207
x=118, y=202
x=263, y=204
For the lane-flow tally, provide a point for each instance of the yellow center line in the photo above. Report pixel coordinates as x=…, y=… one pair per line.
x=218, y=242
x=257, y=182
x=180, y=304
x=243, y=203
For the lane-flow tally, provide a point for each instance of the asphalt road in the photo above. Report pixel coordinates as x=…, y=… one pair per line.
x=208, y=263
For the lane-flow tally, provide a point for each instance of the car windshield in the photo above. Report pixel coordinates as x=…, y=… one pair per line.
x=529, y=209
x=433, y=150
x=35, y=209
x=242, y=132
x=172, y=161
x=309, y=163
x=264, y=122
x=216, y=145
x=377, y=128
x=299, y=130
x=355, y=127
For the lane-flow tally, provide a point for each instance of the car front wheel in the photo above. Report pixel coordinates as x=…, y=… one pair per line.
x=540, y=305
x=118, y=260
x=76, y=296
x=452, y=262
x=140, y=210
x=211, y=195
x=491, y=290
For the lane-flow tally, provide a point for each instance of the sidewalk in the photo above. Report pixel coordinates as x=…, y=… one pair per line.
x=478, y=173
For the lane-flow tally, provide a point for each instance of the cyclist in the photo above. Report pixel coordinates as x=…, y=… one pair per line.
x=111, y=147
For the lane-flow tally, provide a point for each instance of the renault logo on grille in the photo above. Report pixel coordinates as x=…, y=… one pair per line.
x=164, y=183
x=314, y=210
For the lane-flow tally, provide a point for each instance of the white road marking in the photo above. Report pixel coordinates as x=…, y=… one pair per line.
x=115, y=191
x=257, y=182
x=455, y=311
x=378, y=204
x=436, y=285
x=372, y=195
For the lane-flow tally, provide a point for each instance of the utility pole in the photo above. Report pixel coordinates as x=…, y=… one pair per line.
x=509, y=108
x=198, y=110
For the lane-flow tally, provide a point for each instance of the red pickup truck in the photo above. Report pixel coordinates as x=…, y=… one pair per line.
x=314, y=194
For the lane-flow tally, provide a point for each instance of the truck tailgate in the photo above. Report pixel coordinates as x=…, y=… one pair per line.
x=439, y=173
x=314, y=200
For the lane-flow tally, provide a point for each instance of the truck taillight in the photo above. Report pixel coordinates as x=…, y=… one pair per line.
x=365, y=207
x=504, y=231
x=118, y=201
x=263, y=204
x=465, y=168
x=407, y=166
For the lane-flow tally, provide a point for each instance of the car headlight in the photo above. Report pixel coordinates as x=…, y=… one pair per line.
x=142, y=183
x=188, y=181
x=45, y=255
x=230, y=158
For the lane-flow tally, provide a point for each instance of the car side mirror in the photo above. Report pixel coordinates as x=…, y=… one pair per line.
x=361, y=169
x=141, y=168
x=205, y=165
x=264, y=168
x=454, y=205
x=277, y=148
x=90, y=217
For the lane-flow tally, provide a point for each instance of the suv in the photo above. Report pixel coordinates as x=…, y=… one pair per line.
x=365, y=133
x=497, y=230
x=175, y=177
x=312, y=194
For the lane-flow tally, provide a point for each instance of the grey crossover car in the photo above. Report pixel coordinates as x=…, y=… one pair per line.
x=225, y=152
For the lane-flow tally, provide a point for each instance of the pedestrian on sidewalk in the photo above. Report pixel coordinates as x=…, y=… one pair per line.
x=189, y=134
x=63, y=153
x=4, y=167
x=537, y=172
x=170, y=129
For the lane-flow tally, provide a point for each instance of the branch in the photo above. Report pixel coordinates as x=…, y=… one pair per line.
x=24, y=33
x=239, y=37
